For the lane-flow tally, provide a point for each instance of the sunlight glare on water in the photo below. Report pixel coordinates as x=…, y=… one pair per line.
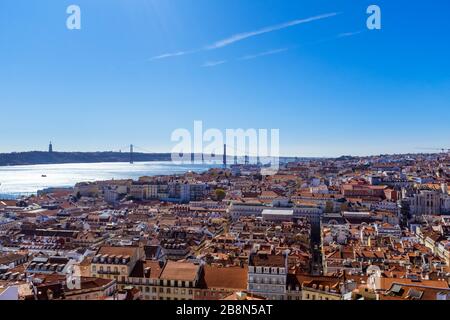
x=29, y=179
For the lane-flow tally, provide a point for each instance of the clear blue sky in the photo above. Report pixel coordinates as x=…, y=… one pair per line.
x=103, y=87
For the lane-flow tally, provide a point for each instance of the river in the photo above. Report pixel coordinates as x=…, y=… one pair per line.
x=19, y=180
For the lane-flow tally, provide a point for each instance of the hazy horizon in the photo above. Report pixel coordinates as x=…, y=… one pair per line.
x=436, y=151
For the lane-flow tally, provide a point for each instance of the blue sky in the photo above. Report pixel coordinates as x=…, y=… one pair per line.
x=248, y=65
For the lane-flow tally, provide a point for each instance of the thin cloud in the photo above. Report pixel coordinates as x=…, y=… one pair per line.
x=209, y=64
x=349, y=34
x=262, y=54
x=172, y=54
x=243, y=36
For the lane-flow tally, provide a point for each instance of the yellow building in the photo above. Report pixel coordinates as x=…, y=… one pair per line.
x=115, y=263
x=321, y=290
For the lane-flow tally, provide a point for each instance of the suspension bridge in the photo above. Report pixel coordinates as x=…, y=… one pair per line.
x=238, y=156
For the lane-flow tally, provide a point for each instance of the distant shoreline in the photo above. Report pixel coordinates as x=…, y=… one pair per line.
x=45, y=157
x=40, y=157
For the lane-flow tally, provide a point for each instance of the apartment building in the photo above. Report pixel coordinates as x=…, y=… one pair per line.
x=267, y=275
x=219, y=282
x=332, y=289
x=116, y=263
x=146, y=277
x=178, y=281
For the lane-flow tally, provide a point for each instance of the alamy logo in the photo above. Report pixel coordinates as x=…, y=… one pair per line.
x=374, y=20
x=73, y=22
x=210, y=146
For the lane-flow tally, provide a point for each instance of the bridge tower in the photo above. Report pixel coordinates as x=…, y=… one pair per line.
x=131, y=154
x=225, y=156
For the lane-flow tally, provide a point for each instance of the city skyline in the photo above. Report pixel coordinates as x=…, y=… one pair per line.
x=224, y=158
x=136, y=72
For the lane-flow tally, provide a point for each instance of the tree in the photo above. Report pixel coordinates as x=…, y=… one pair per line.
x=220, y=194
